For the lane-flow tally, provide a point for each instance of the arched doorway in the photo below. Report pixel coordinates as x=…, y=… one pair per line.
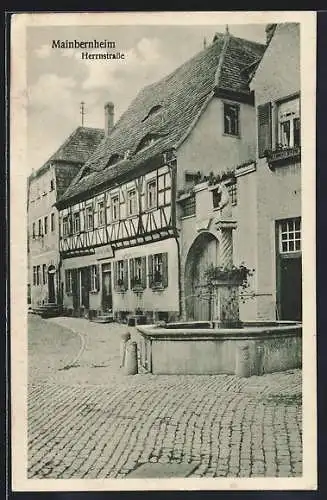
x=51, y=285
x=203, y=252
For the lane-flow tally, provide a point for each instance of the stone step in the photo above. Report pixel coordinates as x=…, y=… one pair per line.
x=103, y=319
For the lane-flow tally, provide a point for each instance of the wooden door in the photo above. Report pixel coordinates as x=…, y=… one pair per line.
x=291, y=289
x=198, y=297
x=85, y=287
x=51, y=288
x=106, y=288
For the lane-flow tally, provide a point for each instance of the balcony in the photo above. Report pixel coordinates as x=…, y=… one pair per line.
x=283, y=156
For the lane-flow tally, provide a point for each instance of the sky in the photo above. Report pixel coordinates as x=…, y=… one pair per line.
x=59, y=79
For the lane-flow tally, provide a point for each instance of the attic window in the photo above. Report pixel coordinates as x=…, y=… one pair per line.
x=152, y=111
x=86, y=171
x=147, y=141
x=113, y=159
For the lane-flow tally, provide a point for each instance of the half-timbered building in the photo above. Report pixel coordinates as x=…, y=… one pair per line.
x=45, y=186
x=121, y=226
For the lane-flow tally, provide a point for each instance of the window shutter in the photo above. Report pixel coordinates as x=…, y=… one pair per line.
x=143, y=272
x=66, y=282
x=97, y=268
x=116, y=275
x=74, y=280
x=264, y=129
x=131, y=270
x=150, y=269
x=126, y=274
x=165, y=269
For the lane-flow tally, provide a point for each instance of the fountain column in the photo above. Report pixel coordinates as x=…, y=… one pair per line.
x=226, y=291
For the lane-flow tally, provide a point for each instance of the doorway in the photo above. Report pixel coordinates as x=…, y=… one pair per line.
x=198, y=299
x=106, y=288
x=289, y=270
x=51, y=285
x=291, y=289
x=85, y=287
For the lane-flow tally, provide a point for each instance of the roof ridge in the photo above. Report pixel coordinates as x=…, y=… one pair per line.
x=221, y=59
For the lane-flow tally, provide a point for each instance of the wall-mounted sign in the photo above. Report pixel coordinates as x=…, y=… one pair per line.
x=104, y=252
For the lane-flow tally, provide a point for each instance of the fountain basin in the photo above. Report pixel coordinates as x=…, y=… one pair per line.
x=202, y=348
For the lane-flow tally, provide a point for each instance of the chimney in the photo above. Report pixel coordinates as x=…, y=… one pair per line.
x=270, y=30
x=109, y=117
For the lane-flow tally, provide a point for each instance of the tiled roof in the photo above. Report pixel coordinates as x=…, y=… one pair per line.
x=76, y=149
x=182, y=96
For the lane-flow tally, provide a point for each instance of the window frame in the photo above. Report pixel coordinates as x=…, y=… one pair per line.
x=132, y=200
x=288, y=240
x=237, y=121
x=52, y=222
x=65, y=226
x=94, y=278
x=101, y=210
x=148, y=184
x=45, y=225
x=290, y=117
x=76, y=227
x=89, y=216
x=115, y=205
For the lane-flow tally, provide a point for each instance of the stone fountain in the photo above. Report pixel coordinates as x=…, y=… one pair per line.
x=225, y=344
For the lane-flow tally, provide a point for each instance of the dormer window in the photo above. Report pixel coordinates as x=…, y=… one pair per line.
x=86, y=171
x=147, y=141
x=152, y=111
x=113, y=159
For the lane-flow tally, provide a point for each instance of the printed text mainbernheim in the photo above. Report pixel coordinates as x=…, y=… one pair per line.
x=83, y=44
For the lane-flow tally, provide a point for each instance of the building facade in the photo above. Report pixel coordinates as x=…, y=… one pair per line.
x=264, y=189
x=123, y=221
x=44, y=187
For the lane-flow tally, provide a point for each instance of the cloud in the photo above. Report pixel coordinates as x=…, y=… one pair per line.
x=102, y=73
x=50, y=90
x=43, y=52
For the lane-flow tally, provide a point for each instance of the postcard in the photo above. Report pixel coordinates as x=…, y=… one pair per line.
x=162, y=195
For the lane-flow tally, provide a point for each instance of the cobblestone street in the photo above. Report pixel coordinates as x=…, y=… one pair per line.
x=87, y=420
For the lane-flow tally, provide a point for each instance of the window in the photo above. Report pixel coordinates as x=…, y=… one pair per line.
x=44, y=274
x=34, y=275
x=158, y=270
x=152, y=111
x=69, y=281
x=151, y=194
x=188, y=206
x=289, y=124
x=45, y=225
x=52, y=222
x=279, y=126
x=94, y=271
x=231, y=119
x=89, y=217
x=101, y=220
x=131, y=202
x=115, y=208
x=51, y=185
x=65, y=226
x=137, y=268
x=38, y=275
x=121, y=275
x=33, y=230
x=232, y=191
x=147, y=141
x=290, y=236
x=40, y=227
x=76, y=222
x=216, y=197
